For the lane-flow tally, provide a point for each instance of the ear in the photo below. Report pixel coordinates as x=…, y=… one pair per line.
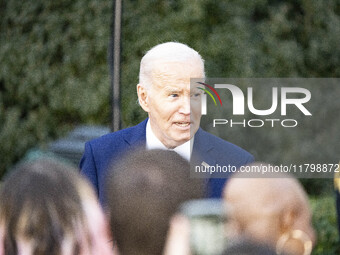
x=143, y=98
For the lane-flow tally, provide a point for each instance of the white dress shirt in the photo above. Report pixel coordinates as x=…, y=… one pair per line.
x=152, y=142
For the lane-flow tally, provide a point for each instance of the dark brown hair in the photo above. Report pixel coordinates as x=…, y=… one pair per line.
x=144, y=190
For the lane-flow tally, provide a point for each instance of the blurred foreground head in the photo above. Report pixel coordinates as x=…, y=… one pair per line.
x=144, y=192
x=47, y=209
x=273, y=211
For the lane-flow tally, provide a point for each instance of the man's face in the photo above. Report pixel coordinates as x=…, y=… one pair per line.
x=174, y=110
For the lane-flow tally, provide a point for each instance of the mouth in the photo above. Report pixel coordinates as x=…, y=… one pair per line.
x=183, y=124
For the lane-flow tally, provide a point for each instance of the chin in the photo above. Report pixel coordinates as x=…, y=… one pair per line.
x=180, y=138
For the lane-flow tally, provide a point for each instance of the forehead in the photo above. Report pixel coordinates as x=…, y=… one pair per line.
x=266, y=194
x=176, y=73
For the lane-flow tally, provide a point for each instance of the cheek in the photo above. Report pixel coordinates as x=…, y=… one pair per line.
x=169, y=113
x=163, y=109
x=164, y=118
x=195, y=110
x=196, y=114
x=195, y=103
x=264, y=230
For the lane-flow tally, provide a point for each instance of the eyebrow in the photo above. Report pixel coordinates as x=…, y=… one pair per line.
x=172, y=89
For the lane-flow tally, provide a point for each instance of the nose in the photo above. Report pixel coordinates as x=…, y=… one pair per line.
x=185, y=105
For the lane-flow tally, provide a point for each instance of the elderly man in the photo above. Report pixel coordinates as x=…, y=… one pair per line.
x=272, y=211
x=173, y=119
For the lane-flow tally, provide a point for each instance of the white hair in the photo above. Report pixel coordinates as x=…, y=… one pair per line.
x=166, y=52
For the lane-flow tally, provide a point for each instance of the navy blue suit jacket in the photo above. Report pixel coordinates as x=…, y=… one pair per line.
x=101, y=152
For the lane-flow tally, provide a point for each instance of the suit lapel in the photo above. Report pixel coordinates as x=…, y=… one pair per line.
x=136, y=136
x=202, y=150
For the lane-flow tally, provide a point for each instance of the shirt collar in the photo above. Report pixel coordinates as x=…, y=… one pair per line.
x=152, y=142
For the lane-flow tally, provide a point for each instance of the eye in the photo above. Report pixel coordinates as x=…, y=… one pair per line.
x=198, y=94
x=173, y=95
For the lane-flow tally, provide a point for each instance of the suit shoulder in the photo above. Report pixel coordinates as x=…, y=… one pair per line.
x=220, y=146
x=125, y=135
x=107, y=139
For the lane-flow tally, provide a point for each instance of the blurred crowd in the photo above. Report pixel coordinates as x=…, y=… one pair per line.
x=49, y=208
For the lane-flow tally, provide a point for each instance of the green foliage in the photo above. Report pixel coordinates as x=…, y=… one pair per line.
x=53, y=71
x=325, y=225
